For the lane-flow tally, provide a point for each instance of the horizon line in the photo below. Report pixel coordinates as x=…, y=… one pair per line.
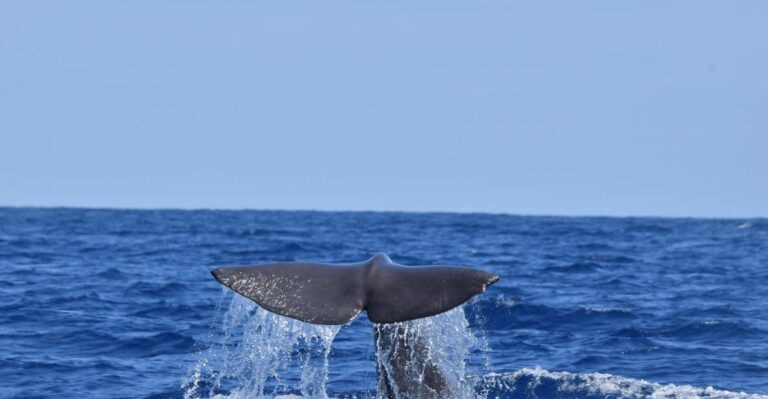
x=328, y=210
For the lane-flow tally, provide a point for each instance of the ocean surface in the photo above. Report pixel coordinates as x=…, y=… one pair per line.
x=121, y=304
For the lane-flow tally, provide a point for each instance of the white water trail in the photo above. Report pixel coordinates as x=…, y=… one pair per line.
x=262, y=355
x=426, y=358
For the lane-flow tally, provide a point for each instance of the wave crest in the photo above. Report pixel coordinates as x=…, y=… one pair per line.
x=540, y=383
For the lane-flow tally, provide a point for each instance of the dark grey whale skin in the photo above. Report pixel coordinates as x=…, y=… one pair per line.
x=323, y=293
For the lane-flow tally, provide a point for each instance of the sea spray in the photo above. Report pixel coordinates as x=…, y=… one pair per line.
x=425, y=358
x=260, y=354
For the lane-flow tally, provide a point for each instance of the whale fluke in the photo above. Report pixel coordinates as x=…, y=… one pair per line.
x=311, y=292
x=323, y=293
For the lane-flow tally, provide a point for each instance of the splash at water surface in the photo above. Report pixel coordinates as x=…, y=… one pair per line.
x=261, y=354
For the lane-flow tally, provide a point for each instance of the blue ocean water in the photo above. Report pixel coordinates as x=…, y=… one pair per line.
x=120, y=303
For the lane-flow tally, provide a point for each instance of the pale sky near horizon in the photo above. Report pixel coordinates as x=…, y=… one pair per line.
x=566, y=108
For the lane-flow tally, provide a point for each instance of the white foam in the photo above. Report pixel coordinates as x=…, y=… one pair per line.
x=608, y=310
x=506, y=302
x=599, y=385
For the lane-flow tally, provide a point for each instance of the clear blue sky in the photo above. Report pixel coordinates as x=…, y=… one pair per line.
x=570, y=108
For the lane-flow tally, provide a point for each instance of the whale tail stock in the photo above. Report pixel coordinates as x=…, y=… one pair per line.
x=323, y=293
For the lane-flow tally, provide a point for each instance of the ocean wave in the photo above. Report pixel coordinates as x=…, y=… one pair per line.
x=158, y=289
x=711, y=330
x=528, y=383
x=111, y=274
x=505, y=311
x=85, y=290
x=539, y=383
x=577, y=267
x=615, y=259
x=276, y=251
x=167, y=343
x=163, y=309
x=595, y=246
x=760, y=225
x=649, y=229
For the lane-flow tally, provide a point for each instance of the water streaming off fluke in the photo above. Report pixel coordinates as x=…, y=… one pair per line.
x=260, y=355
x=425, y=358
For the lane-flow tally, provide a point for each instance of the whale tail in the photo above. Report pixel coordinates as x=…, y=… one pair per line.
x=323, y=293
